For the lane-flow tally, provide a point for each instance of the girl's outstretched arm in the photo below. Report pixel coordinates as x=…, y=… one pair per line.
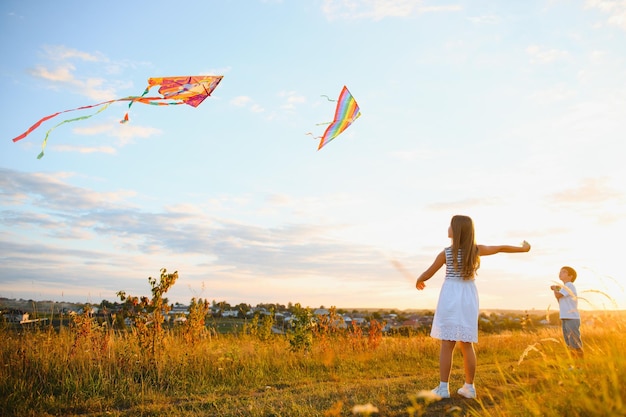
x=440, y=261
x=492, y=250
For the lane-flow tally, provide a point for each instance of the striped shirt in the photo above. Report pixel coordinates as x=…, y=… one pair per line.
x=451, y=273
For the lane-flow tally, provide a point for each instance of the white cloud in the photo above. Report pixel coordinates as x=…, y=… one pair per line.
x=597, y=57
x=93, y=129
x=63, y=53
x=542, y=55
x=256, y=108
x=291, y=99
x=591, y=191
x=63, y=75
x=556, y=93
x=126, y=133
x=245, y=101
x=616, y=10
x=241, y=101
x=84, y=149
x=62, y=66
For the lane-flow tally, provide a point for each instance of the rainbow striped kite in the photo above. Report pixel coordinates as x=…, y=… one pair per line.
x=347, y=111
x=191, y=90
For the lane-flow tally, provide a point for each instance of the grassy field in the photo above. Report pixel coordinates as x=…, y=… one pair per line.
x=88, y=370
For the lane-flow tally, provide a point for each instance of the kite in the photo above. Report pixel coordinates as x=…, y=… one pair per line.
x=191, y=90
x=347, y=111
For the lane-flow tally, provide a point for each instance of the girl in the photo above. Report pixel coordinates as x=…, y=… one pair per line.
x=456, y=316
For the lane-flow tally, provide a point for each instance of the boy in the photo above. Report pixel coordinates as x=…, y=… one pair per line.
x=568, y=310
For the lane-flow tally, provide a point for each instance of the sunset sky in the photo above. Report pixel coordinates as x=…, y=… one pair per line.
x=513, y=113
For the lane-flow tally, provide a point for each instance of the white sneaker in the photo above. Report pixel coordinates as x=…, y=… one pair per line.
x=442, y=392
x=467, y=392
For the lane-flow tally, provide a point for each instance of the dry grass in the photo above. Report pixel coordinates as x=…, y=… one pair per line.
x=90, y=371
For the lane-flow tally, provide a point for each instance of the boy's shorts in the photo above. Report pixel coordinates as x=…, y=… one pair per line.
x=571, y=333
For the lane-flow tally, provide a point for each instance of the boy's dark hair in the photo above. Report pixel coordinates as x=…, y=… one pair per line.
x=571, y=272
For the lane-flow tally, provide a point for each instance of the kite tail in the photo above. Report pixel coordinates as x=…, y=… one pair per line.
x=45, y=140
x=36, y=125
x=125, y=119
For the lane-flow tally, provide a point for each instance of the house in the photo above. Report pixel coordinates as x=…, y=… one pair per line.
x=21, y=317
x=15, y=316
x=179, y=310
x=360, y=321
x=412, y=323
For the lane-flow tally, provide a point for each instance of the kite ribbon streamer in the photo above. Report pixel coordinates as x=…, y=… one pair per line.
x=145, y=100
x=45, y=140
x=347, y=111
x=125, y=119
x=36, y=125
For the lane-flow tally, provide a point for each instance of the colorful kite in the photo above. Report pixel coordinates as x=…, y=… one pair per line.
x=347, y=111
x=191, y=90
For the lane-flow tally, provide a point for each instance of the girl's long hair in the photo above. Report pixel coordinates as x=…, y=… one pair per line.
x=463, y=240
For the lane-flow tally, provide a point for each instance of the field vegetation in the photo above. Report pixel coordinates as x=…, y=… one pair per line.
x=85, y=368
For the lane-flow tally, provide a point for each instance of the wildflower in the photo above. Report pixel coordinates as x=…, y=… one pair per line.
x=428, y=395
x=366, y=409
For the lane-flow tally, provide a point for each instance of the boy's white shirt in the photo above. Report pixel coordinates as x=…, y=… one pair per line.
x=568, y=304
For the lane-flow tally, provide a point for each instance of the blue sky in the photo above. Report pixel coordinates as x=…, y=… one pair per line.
x=511, y=112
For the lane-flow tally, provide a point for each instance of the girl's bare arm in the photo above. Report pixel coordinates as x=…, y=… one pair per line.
x=484, y=250
x=440, y=261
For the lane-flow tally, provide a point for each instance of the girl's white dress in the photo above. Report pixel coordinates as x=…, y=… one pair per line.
x=456, y=317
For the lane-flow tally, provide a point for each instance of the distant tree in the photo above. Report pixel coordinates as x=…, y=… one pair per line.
x=301, y=334
x=243, y=308
x=150, y=312
x=484, y=324
x=195, y=326
x=223, y=306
